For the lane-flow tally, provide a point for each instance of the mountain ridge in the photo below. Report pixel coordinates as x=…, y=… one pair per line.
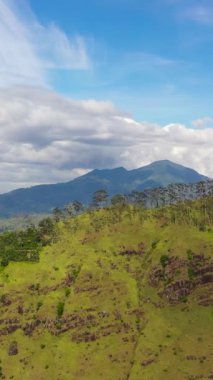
x=43, y=198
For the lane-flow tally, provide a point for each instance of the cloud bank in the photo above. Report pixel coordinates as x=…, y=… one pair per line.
x=46, y=138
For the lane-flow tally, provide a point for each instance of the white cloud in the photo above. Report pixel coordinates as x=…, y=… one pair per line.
x=205, y=122
x=28, y=49
x=18, y=60
x=45, y=138
x=60, y=52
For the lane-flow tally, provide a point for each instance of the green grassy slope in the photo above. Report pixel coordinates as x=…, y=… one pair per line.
x=100, y=305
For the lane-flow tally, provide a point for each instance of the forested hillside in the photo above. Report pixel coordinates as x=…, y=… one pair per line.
x=119, y=293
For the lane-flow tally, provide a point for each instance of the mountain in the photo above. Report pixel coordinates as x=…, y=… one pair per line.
x=43, y=198
x=120, y=293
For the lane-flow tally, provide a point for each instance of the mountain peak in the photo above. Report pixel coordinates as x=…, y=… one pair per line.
x=165, y=162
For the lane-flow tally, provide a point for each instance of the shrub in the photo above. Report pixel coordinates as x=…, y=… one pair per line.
x=1, y=373
x=4, y=262
x=190, y=254
x=39, y=304
x=67, y=292
x=164, y=260
x=183, y=299
x=76, y=272
x=191, y=273
x=13, y=348
x=154, y=244
x=60, y=309
x=202, y=228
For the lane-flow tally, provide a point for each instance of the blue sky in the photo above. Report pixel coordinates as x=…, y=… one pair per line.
x=153, y=59
x=103, y=83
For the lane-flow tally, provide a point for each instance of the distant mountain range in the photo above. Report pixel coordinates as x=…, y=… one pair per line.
x=43, y=198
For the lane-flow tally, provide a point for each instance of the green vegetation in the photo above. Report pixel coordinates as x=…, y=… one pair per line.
x=25, y=245
x=116, y=293
x=60, y=309
x=164, y=260
x=19, y=246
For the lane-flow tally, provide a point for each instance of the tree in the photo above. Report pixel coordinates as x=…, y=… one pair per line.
x=78, y=207
x=57, y=214
x=46, y=230
x=46, y=226
x=99, y=198
x=137, y=198
x=68, y=209
x=118, y=200
x=73, y=208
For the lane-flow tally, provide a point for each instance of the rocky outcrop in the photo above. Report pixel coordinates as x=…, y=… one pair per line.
x=177, y=291
x=141, y=250
x=181, y=276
